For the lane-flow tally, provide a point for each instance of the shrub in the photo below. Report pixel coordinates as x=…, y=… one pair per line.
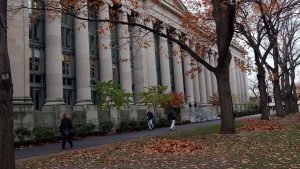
x=124, y=126
x=43, y=133
x=22, y=133
x=162, y=122
x=105, y=127
x=183, y=122
x=84, y=129
x=133, y=125
x=143, y=124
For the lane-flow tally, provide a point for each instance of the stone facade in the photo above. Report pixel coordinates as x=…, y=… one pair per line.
x=53, y=64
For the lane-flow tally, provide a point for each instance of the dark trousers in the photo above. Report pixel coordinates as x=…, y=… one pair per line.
x=64, y=140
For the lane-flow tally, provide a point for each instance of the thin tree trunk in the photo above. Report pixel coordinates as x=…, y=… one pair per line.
x=294, y=106
x=286, y=92
x=7, y=155
x=262, y=87
x=276, y=83
x=278, y=98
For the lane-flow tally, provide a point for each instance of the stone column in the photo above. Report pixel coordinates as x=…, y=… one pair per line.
x=213, y=76
x=140, y=58
x=83, y=78
x=104, y=41
x=19, y=54
x=246, y=86
x=196, y=82
x=53, y=60
x=242, y=86
x=164, y=61
x=238, y=83
x=124, y=53
x=188, y=80
x=150, y=52
x=233, y=78
x=202, y=86
x=177, y=68
x=208, y=81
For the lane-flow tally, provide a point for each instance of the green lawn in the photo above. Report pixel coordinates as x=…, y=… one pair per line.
x=274, y=149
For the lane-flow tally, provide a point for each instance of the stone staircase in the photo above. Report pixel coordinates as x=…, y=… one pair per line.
x=201, y=114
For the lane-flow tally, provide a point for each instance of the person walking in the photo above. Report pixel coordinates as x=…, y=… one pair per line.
x=150, y=118
x=66, y=129
x=172, y=118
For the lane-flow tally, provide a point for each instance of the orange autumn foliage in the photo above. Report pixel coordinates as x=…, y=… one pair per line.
x=172, y=146
x=259, y=125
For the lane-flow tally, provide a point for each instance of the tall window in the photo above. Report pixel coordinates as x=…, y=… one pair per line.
x=171, y=60
x=67, y=32
x=94, y=52
x=37, y=57
x=68, y=71
x=68, y=60
x=183, y=74
x=130, y=29
x=157, y=59
x=114, y=49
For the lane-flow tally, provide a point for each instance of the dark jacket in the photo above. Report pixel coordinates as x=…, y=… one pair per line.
x=65, y=124
x=149, y=115
x=172, y=115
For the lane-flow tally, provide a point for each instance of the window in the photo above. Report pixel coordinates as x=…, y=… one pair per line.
x=67, y=65
x=93, y=33
x=114, y=51
x=93, y=68
x=67, y=32
x=171, y=60
x=36, y=60
x=36, y=21
x=157, y=59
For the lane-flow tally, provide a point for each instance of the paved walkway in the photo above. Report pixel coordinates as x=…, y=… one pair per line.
x=96, y=141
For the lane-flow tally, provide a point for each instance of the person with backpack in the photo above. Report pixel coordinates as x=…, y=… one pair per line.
x=172, y=118
x=67, y=131
x=150, y=119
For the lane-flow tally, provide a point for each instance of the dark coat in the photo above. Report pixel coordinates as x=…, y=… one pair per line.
x=149, y=115
x=172, y=115
x=65, y=124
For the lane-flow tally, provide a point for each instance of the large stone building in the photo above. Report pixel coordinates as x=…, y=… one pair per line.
x=54, y=64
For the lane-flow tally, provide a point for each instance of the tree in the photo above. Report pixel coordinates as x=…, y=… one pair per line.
x=251, y=30
x=7, y=155
x=154, y=96
x=289, y=36
x=272, y=16
x=177, y=100
x=111, y=95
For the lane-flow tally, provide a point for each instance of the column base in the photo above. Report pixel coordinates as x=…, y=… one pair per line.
x=80, y=102
x=54, y=101
x=27, y=100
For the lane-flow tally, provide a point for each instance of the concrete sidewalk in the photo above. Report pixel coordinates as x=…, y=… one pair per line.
x=102, y=140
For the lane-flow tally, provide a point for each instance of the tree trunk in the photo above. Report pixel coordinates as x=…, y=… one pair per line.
x=262, y=87
x=227, y=119
x=286, y=93
x=278, y=98
x=7, y=152
x=224, y=16
x=294, y=107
